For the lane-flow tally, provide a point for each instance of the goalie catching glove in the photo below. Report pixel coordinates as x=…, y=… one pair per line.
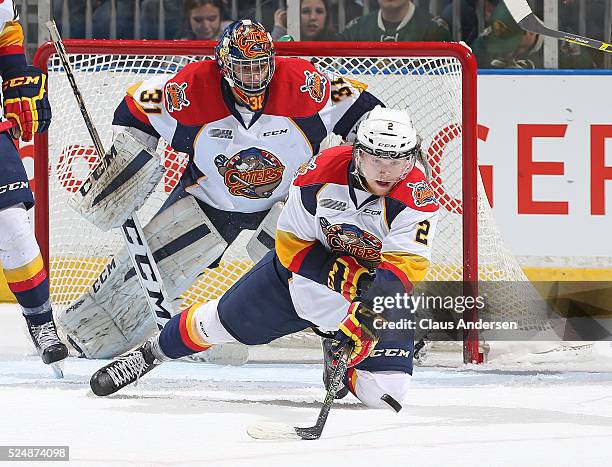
x=357, y=329
x=25, y=101
x=120, y=184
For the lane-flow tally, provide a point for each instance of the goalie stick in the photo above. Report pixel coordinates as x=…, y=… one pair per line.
x=526, y=19
x=279, y=431
x=139, y=251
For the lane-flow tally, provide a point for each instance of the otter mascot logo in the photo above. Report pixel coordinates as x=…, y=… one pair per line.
x=176, y=96
x=362, y=245
x=253, y=173
x=306, y=166
x=314, y=86
x=422, y=193
x=252, y=42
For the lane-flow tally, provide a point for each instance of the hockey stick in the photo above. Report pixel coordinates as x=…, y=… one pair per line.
x=7, y=125
x=523, y=15
x=138, y=249
x=276, y=431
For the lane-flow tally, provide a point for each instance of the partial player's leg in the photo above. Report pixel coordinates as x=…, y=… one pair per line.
x=23, y=265
x=255, y=310
x=382, y=379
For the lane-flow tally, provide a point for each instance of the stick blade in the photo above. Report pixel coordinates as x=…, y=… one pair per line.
x=313, y=432
x=519, y=9
x=271, y=431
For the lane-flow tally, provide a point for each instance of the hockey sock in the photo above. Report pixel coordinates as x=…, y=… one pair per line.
x=24, y=268
x=30, y=285
x=179, y=338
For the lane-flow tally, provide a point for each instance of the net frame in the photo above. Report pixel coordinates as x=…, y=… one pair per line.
x=469, y=176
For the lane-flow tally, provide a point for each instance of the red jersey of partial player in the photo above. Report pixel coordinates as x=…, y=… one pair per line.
x=243, y=160
x=327, y=213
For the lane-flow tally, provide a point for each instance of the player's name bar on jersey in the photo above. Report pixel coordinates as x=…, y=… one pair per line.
x=34, y=453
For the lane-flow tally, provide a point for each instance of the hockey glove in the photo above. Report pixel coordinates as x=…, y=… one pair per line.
x=25, y=101
x=357, y=329
x=348, y=277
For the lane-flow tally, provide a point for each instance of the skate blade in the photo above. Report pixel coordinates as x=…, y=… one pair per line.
x=58, y=369
x=266, y=430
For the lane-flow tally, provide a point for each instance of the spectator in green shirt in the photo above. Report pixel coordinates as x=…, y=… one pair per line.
x=505, y=45
x=397, y=21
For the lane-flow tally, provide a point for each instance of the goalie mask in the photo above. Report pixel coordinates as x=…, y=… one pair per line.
x=386, y=148
x=245, y=56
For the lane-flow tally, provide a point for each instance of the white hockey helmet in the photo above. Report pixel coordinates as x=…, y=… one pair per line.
x=387, y=145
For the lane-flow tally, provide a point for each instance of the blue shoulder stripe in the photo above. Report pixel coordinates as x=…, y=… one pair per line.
x=308, y=195
x=184, y=137
x=123, y=117
x=314, y=130
x=364, y=103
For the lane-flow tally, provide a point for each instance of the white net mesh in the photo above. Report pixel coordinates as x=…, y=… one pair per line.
x=429, y=87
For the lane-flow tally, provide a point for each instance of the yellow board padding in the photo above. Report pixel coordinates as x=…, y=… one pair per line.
x=213, y=283
x=568, y=274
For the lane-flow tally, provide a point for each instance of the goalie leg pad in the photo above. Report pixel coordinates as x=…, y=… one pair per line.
x=113, y=317
x=120, y=184
x=263, y=239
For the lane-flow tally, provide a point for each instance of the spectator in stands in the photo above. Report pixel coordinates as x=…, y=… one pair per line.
x=505, y=45
x=397, y=21
x=352, y=9
x=469, y=17
x=569, y=14
x=247, y=10
x=75, y=16
x=203, y=20
x=125, y=20
x=149, y=18
x=315, y=22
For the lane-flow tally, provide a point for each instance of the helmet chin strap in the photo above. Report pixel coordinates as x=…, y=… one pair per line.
x=359, y=180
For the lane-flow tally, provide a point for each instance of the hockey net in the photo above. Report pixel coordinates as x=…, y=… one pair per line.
x=435, y=82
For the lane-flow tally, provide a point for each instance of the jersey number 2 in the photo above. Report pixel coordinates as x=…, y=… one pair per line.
x=422, y=232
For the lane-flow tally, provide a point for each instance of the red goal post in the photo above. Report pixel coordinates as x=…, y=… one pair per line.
x=425, y=77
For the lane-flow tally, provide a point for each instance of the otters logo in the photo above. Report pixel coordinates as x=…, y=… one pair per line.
x=422, y=193
x=253, y=173
x=176, y=98
x=314, y=85
x=306, y=166
x=252, y=42
x=360, y=244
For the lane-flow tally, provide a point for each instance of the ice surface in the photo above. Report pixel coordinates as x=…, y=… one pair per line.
x=185, y=414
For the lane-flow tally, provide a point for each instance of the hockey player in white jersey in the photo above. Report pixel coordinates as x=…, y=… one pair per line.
x=357, y=227
x=248, y=120
x=25, y=102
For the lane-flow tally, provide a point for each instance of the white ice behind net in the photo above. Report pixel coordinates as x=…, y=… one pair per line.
x=429, y=87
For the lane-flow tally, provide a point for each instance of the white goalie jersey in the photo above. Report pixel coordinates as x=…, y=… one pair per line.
x=241, y=160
